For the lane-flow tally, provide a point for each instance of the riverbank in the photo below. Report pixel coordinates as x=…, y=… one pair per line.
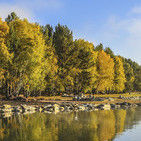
x=11, y=107
x=67, y=103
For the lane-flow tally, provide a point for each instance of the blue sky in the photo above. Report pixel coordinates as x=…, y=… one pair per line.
x=115, y=23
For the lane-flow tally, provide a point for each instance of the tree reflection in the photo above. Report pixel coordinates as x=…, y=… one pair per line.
x=89, y=126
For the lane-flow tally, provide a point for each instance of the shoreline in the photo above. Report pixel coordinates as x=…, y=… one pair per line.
x=10, y=107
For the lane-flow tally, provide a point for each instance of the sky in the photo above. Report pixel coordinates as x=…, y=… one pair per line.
x=114, y=23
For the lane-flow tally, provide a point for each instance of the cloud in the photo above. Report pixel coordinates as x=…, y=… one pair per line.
x=136, y=10
x=6, y=9
x=28, y=8
x=125, y=35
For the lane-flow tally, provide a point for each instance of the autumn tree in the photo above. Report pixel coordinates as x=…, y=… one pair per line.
x=47, y=31
x=99, y=47
x=129, y=74
x=5, y=56
x=63, y=44
x=105, y=69
x=51, y=58
x=11, y=17
x=119, y=78
x=27, y=44
x=109, y=51
x=85, y=64
x=137, y=73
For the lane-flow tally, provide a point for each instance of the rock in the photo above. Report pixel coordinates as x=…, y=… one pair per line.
x=49, y=108
x=139, y=104
x=115, y=106
x=125, y=104
x=7, y=114
x=82, y=108
x=26, y=108
x=56, y=108
x=107, y=107
x=110, y=99
x=17, y=109
x=20, y=98
x=134, y=105
x=100, y=106
x=28, y=112
x=68, y=107
x=6, y=108
x=62, y=109
x=104, y=106
x=40, y=109
x=120, y=97
x=99, y=99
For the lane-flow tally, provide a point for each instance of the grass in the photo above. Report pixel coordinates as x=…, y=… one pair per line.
x=134, y=94
x=60, y=98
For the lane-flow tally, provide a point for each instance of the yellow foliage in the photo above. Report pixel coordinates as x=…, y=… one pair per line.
x=119, y=80
x=105, y=68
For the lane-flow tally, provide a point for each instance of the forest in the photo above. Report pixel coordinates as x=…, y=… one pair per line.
x=46, y=60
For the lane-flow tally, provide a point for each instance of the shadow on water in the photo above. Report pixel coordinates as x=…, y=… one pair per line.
x=75, y=126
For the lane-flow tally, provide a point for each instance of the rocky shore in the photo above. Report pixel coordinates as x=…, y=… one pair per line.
x=7, y=110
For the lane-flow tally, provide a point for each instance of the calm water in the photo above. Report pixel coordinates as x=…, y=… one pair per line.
x=116, y=125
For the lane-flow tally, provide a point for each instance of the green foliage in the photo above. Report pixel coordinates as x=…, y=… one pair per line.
x=109, y=51
x=11, y=17
x=99, y=47
x=129, y=74
x=47, y=31
x=86, y=64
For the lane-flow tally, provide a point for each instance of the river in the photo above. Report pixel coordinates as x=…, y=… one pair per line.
x=102, y=125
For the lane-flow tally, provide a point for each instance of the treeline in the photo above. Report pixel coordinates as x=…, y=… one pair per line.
x=37, y=60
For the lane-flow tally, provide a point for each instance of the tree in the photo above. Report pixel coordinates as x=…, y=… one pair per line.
x=11, y=17
x=5, y=56
x=129, y=74
x=99, y=47
x=63, y=44
x=27, y=44
x=47, y=31
x=109, y=51
x=85, y=64
x=119, y=79
x=137, y=73
x=105, y=69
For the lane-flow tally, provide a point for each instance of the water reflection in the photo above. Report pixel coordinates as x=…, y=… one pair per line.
x=75, y=126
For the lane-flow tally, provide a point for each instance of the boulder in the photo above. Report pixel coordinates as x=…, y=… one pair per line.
x=20, y=98
x=104, y=106
x=139, y=104
x=115, y=106
x=110, y=99
x=17, y=109
x=7, y=114
x=82, y=107
x=62, y=108
x=49, y=108
x=26, y=108
x=6, y=108
x=56, y=108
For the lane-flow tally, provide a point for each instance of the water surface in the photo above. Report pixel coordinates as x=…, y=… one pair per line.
x=116, y=125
